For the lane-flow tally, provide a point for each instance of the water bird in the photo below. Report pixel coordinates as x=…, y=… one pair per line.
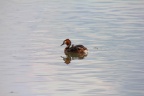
x=78, y=49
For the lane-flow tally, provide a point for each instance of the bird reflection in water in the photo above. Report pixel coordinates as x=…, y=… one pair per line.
x=73, y=52
x=73, y=56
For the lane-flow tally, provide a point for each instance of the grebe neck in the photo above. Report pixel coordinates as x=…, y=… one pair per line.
x=68, y=46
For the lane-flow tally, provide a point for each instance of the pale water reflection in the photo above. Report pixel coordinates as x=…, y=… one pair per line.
x=32, y=63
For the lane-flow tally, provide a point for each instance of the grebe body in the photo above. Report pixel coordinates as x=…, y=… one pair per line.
x=74, y=48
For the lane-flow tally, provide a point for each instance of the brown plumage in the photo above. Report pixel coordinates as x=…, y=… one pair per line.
x=74, y=49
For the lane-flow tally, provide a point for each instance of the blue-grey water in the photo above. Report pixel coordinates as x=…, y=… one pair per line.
x=31, y=32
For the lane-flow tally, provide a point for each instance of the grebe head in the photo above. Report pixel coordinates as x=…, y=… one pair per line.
x=67, y=42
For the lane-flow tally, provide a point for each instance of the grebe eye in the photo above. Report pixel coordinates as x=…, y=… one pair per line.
x=65, y=42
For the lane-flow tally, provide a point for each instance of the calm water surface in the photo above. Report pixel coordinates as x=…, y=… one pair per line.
x=32, y=60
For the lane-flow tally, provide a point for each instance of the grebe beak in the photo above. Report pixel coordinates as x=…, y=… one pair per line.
x=62, y=44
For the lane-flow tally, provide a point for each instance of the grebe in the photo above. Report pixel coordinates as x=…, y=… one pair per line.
x=74, y=48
